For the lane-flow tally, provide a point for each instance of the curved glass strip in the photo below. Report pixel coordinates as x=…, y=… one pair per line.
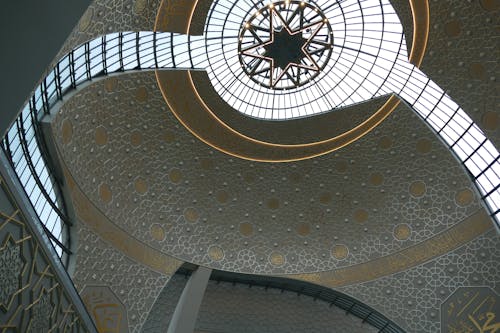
x=118, y=52
x=456, y=129
x=369, y=60
x=23, y=148
x=23, y=143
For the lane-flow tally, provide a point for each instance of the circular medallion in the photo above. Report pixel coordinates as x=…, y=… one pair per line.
x=340, y=251
x=157, y=232
x=464, y=197
x=191, y=215
x=216, y=253
x=402, y=231
x=105, y=193
x=277, y=259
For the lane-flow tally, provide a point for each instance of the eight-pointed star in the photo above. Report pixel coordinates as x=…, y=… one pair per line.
x=286, y=48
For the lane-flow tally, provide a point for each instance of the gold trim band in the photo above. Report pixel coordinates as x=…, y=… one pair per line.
x=89, y=214
x=463, y=232
x=185, y=102
x=449, y=240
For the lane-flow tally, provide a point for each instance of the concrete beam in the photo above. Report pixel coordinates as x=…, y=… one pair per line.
x=186, y=312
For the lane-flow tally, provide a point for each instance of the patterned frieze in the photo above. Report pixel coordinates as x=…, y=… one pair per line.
x=396, y=187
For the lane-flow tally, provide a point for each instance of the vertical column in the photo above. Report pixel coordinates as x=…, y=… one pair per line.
x=186, y=312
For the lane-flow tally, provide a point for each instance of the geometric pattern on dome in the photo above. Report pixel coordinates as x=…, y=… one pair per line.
x=424, y=279
x=285, y=44
x=123, y=51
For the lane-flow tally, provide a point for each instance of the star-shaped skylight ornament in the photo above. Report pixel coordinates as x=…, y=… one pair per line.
x=284, y=49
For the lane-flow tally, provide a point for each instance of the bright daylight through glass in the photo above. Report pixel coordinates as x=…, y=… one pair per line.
x=341, y=53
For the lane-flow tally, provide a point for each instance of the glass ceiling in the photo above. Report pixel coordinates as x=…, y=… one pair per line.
x=366, y=58
x=367, y=39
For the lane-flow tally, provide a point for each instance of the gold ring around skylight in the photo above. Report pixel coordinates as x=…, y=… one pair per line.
x=181, y=90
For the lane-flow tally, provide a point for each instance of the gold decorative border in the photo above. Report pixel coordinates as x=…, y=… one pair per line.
x=185, y=102
x=89, y=214
x=449, y=240
x=463, y=232
x=36, y=277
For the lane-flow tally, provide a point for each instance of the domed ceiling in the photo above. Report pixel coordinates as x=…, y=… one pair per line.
x=389, y=202
x=150, y=177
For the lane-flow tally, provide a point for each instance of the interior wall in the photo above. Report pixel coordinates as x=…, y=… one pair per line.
x=31, y=34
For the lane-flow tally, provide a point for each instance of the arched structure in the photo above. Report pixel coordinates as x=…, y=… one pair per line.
x=389, y=208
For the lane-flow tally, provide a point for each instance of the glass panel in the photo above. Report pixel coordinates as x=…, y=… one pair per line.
x=113, y=52
x=64, y=72
x=95, y=55
x=79, y=64
x=129, y=51
x=146, y=49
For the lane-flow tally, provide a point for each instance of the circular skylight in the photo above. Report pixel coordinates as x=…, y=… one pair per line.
x=289, y=59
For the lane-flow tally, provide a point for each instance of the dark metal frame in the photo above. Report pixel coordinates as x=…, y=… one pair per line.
x=286, y=12
x=81, y=65
x=334, y=298
x=115, y=53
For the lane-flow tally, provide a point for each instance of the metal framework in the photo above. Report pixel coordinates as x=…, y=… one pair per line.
x=366, y=36
x=285, y=44
x=24, y=144
x=317, y=292
x=357, y=74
